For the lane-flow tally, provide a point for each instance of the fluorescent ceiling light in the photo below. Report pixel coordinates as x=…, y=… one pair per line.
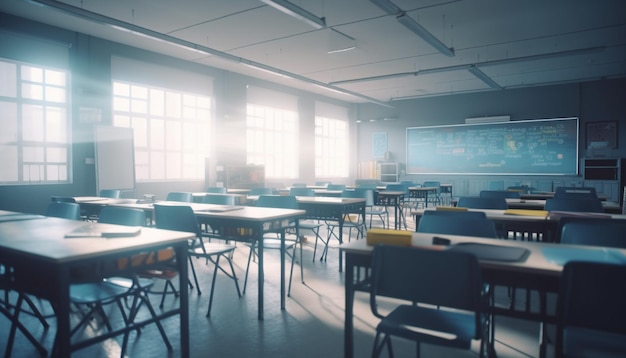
x=483, y=77
x=263, y=68
x=387, y=6
x=297, y=12
x=420, y=31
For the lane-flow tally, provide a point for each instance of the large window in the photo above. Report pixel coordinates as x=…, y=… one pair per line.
x=34, y=139
x=171, y=130
x=331, y=142
x=272, y=133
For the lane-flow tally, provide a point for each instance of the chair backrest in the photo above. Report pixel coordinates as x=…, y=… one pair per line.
x=575, y=205
x=317, y=183
x=452, y=222
x=176, y=217
x=474, y=202
x=575, y=192
x=432, y=184
x=222, y=199
x=65, y=210
x=360, y=193
x=445, y=278
x=216, y=189
x=62, y=199
x=592, y=297
x=398, y=187
x=499, y=194
x=277, y=201
x=372, y=186
x=298, y=191
x=110, y=193
x=261, y=191
x=179, y=196
x=335, y=187
x=593, y=231
x=122, y=216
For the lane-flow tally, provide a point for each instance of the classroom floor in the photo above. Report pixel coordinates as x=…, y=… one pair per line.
x=311, y=325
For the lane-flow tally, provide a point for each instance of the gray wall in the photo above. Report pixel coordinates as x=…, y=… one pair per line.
x=601, y=100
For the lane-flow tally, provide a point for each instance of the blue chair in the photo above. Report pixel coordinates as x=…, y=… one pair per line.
x=447, y=282
x=179, y=196
x=575, y=193
x=591, y=311
x=453, y=222
x=182, y=218
x=301, y=191
x=605, y=232
x=574, y=205
x=65, y=210
x=272, y=240
x=474, y=202
x=262, y=191
x=114, y=289
x=433, y=198
x=335, y=187
x=221, y=199
x=110, y=193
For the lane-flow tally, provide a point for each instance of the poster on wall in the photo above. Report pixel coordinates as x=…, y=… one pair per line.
x=379, y=145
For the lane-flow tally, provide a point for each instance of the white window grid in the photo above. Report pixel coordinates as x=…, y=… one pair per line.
x=272, y=140
x=331, y=148
x=35, y=140
x=171, y=130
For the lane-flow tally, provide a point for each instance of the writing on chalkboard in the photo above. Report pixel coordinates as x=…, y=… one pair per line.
x=530, y=147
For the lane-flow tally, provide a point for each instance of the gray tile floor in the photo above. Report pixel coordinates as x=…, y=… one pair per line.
x=311, y=325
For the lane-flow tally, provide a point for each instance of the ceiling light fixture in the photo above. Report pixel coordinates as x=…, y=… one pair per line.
x=297, y=12
x=387, y=6
x=420, y=31
x=483, y=77
x=339, y=42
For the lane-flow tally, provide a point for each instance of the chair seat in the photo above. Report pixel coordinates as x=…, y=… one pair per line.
x=451, y=328
x=581, y=342
x=271, y=242
x=85, y=293
x=211, y=249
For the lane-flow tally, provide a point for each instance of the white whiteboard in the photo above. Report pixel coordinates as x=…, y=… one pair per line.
x=115, y=158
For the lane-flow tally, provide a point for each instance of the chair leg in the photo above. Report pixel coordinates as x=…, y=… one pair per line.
x=234, y=277
x=15, y=325
x=195, y=278
x=245, y=280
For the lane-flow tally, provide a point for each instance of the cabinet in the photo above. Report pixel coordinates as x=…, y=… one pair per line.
x=607, y=175
x=388, y=172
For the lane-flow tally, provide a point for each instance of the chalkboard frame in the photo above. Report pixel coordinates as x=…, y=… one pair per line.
x=571, y=169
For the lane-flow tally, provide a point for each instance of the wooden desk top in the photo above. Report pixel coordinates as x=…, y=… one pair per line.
x=44, y=239
x=544, y=258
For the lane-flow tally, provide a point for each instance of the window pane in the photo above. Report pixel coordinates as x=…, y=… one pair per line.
x=8, y=85
x=8, y=134
x=9, y=172
x=33, y=123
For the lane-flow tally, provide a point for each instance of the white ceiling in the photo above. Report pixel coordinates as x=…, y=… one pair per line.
x=514, y=43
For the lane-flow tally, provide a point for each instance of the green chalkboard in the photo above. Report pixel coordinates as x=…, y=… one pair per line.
x=529, y=147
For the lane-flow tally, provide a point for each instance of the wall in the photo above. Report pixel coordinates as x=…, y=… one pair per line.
x=590, y=101
x=90, y=65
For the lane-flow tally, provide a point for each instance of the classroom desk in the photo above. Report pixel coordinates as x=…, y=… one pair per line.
x=538, y=204
x=243, y=223
x=332, y=209
x=39, y=247
x=421, y=194
x=394, y=199
x=540, y=271
x=240, y=199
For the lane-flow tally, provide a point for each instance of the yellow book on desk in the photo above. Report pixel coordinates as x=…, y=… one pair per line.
x=523, y=212
x=450, y=208
x=390, y=237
